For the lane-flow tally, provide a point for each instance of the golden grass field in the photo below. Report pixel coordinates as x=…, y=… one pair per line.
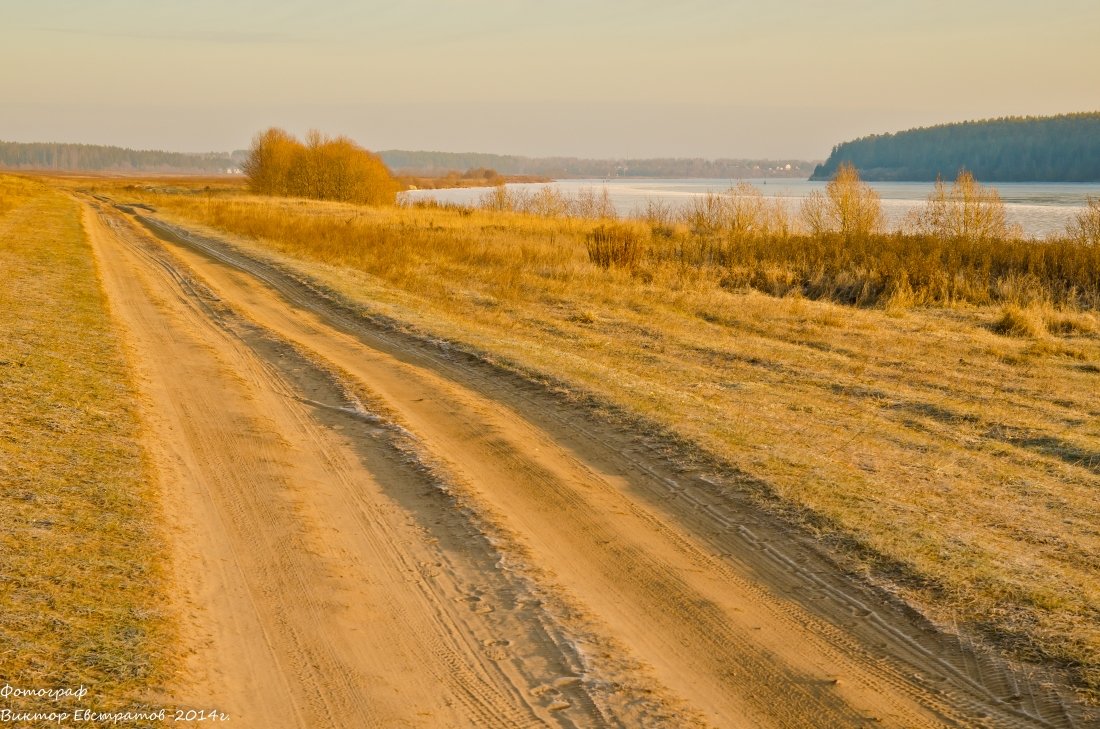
x=81, y=559
x=951, y=450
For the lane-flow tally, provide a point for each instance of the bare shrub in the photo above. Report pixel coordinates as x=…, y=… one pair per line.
x=497, y=200
x=777, y=219
x=849, y=206
x=704, y=215
x=1085, y=229
x=748, y=214
x=815, y=214
x=588, y=205
x=658, y=212
x=547, y=202
x=966, y=211
x=745, y=211
x=660, y=217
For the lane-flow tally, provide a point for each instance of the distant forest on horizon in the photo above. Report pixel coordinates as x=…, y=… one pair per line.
x=102, y=158
x=1063, y=148
x=408, y=162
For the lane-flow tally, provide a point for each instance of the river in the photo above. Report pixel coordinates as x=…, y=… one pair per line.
x=1040, y=209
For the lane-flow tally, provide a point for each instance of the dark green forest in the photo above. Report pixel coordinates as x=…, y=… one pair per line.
x=1013, y=149
x=98, y=158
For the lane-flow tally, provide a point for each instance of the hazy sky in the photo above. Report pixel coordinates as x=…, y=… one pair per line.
x=641, y=78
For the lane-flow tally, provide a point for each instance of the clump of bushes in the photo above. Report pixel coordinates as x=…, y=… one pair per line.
x=322, y=168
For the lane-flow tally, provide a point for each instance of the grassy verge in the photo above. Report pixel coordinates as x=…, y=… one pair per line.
x=957, y=447
x=80, y=586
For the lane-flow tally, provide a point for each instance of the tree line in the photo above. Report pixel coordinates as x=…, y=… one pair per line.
x=1062, y=148
x=322, y=168
x=103, y=158
x=428, y=163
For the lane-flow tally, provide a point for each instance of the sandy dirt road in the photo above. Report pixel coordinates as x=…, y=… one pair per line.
x=371, y=529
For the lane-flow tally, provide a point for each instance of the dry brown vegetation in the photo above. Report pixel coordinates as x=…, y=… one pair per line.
x=614, y=245
x=81, y=590
x=958, y=249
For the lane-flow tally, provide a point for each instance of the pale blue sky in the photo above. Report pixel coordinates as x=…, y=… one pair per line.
x=617, y=78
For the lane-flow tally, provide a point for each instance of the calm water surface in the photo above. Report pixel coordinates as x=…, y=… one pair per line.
x=1041, y=209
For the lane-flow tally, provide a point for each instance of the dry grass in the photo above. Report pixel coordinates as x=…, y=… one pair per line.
x=614, y=245
x=1037, y=320
x=1018, y=322
x=954, y=461
x=1068, y=323
x=871, y=270
x=80, y=586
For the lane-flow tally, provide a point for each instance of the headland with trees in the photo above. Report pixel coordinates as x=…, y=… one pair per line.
x=1063, y=148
